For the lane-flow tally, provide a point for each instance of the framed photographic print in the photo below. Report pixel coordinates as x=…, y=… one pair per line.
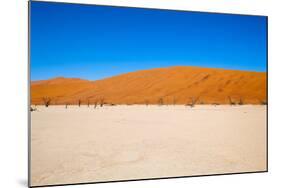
x=125, y=93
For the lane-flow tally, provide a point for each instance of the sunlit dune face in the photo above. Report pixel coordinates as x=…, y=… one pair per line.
x=173, y=85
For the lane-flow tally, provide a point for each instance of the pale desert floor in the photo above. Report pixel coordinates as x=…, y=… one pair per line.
x=84, y=144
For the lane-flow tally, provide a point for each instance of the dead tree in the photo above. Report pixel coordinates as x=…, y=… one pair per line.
x=230, y=101
x=215, y=104
x=192, y=102
x=88, y=103
x=101, y=102
x=263, y=102
x=66, y=105
x=241, y=102
x=33, y=109
x=96, y=103
x=174, y=101
x=146, y=102
x=160, y=101
x=79, y=102
x=46, y=101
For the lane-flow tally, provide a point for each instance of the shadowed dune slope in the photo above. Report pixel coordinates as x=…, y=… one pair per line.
x=179, y=85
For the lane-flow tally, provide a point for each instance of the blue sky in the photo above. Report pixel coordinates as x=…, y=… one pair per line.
x=95, y=42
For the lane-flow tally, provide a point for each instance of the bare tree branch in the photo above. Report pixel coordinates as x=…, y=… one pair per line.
x=46, y=101
x=230, y=101
x=192, y=102
x=160, y=101
x=101, y=102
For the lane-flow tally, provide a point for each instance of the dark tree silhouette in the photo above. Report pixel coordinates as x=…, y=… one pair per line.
x=79, y=102
x=231, y=102
x=174, y=101
x=146, y=102
x=192, y=102
x=96, y=103
x=101, y=102
x=241, y=102
x=160, y=101
x=263, y=102
x=46, y=101
x=33, y=109
x=216, y=104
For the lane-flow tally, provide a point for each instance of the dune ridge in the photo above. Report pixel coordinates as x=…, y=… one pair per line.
x=171, y=85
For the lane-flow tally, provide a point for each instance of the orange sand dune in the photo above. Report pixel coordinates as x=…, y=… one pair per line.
x=179, y=85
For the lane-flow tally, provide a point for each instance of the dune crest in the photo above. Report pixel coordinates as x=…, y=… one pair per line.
x=172, y=85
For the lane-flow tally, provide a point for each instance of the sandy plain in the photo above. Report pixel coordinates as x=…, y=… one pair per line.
x=84, y=144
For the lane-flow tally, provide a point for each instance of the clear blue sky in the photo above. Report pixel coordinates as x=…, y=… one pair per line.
x=94, y=42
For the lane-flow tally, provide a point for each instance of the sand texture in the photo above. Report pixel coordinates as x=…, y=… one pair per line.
x=179, y=85
x=133, y=142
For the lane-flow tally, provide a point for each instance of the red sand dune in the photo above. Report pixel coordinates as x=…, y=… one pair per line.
x=173, y=85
